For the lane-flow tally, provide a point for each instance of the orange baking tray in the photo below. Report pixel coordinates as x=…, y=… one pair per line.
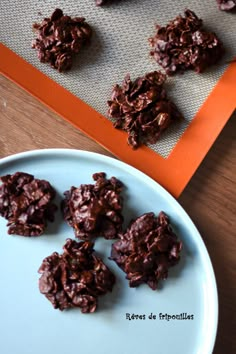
x=173, y=172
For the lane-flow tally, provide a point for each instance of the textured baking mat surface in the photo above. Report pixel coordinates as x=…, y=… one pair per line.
x=120, y=46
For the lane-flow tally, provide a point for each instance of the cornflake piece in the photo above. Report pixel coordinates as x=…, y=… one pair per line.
x=147, y=250
x=226, y=5
x=26, y=202
x=95, y=209
x=59, y=38
x=184, y=44
x=75, y=278
x=142, y=109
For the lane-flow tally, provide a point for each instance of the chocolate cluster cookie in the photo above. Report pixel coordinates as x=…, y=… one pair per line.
x=105, y=2
x=95, y=209
x=142, y=108
x=184, y=44
x=76, y=278
x=59, y=38
x=147, y=250
x=101, y=2
x=27, y=203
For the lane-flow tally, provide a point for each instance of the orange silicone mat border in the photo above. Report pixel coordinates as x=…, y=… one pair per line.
x=174, y=172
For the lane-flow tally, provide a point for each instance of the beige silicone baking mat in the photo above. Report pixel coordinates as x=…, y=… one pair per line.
x=120, y=46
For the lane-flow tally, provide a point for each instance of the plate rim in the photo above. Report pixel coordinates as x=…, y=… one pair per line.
x=150, y=181
x=197, y=138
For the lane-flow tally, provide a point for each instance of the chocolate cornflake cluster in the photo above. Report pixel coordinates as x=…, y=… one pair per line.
x=95, y=209
x=75, y=278
x=184, y=44
x=227, y=5
x=142, y=109
x=147, y=250
x=105, y=2
x=26, y=202
x=59, y=38
x=101, y=2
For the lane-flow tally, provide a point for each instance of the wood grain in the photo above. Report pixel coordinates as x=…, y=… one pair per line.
x=209, y=199
x=26, y=124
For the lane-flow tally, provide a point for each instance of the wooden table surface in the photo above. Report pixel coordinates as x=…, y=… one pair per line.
x=209, y=199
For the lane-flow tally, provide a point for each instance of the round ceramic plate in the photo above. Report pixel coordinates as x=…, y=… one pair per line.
x=171, y=320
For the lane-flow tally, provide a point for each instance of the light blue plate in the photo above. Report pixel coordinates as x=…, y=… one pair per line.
x=30, y=325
